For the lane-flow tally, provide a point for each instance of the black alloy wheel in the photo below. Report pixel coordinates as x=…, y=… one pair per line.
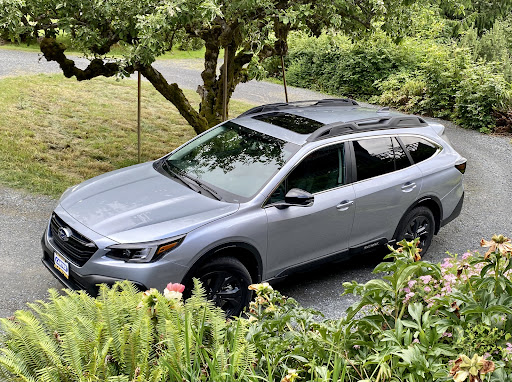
x=226, y=282
x=418, y=223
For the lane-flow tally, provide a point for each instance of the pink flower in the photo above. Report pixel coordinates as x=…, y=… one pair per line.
x=357, y=346
x=407, y=290
x=449, y=278
x=416, y=341
x=428, y=289
x=447, y=334
x=177, y=287
x=174, y=291
x=411, y=283
x=426, y=279
x=466, y=256
x=408, y=296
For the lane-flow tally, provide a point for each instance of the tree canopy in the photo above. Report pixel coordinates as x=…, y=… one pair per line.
x=251, y=30
x=480, y=14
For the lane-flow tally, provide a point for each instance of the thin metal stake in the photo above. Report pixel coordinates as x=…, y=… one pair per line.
x=284, y=79
x=225, y=95
x=138, y=116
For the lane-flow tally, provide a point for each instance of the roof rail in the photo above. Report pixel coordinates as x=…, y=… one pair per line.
x=296, y=104
x=342, y=128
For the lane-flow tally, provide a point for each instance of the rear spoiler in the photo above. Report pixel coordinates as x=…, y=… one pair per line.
x=440, y=130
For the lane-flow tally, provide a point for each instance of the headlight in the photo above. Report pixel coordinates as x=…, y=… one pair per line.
x=143, y=252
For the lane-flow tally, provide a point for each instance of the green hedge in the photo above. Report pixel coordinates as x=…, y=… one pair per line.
x=417, y=75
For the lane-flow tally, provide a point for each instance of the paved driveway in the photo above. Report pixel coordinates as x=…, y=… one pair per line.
x=485, y=212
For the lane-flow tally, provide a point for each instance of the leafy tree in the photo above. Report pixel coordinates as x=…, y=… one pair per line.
x=251, y=31
x=480, y=14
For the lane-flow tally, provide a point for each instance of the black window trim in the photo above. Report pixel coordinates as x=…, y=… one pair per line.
x=348, y=177
x=350, y=160
x=437, y=145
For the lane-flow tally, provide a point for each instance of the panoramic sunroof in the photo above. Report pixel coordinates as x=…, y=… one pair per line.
x=295, y=123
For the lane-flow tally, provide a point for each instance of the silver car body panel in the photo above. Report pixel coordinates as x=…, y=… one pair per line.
x=138, y=204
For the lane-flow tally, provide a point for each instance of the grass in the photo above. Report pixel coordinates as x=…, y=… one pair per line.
x=56, y=132
x=116, y=51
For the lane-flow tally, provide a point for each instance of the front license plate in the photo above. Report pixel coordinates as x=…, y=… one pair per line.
x=61, y=264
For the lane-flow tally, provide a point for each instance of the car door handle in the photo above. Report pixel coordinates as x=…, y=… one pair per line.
x=344, y=205
x=408, y=187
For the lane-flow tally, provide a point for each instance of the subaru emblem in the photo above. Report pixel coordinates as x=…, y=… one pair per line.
x=64, y=233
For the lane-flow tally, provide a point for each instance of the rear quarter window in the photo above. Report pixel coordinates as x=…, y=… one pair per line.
x=420, y=149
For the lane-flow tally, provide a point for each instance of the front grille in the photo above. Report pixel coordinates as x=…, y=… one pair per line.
x=77, y=248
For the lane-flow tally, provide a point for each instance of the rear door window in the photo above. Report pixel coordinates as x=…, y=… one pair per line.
x=378, y=156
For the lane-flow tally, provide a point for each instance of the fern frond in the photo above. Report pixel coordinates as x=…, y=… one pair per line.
x=30, y=340
x=15, y=366
x=119, y=378
x=49, y=374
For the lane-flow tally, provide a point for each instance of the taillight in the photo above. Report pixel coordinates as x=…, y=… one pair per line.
x=461, y=165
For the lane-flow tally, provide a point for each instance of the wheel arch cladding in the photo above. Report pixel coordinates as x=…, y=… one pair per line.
x=433, y=204
x=243, y=252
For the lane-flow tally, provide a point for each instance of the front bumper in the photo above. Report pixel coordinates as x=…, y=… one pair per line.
x=100, y=269
x=77, y=281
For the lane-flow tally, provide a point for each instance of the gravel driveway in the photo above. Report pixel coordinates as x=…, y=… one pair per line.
x=485, y=212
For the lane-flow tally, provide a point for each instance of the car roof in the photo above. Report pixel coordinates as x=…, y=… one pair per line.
x=308, y=121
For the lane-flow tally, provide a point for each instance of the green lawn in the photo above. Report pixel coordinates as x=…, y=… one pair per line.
x=56, y=132
x=175, y=54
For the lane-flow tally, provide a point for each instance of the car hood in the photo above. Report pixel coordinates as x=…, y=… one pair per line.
x=138, y=204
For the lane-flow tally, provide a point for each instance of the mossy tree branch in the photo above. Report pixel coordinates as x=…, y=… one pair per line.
x=54, y=51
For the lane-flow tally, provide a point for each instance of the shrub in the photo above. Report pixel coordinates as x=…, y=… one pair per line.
x=419, y=75
x=335, y=65
x=481, y=91
x=125, y=335
x=420, y=322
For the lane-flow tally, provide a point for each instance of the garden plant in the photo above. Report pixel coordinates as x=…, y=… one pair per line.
x=419, y=322
x=443, y=65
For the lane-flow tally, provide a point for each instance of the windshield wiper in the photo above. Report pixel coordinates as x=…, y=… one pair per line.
x=180, y=174
x=202, y=185
x=176, y=175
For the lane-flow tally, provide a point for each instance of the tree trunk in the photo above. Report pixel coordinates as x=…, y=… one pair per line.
x=212, y=90
x=174, y=94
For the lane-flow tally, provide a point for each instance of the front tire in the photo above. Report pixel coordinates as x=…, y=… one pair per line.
x=419, y=222
x=226, y=282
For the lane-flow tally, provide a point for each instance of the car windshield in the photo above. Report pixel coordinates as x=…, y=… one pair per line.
x=235, y=161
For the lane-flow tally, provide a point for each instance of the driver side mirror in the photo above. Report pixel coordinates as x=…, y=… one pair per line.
x=297, y=197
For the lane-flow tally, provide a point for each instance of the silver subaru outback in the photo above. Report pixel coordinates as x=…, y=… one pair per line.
x=271, y=192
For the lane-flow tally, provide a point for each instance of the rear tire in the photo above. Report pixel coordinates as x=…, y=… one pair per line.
x=226, y=282
x=419, y=222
